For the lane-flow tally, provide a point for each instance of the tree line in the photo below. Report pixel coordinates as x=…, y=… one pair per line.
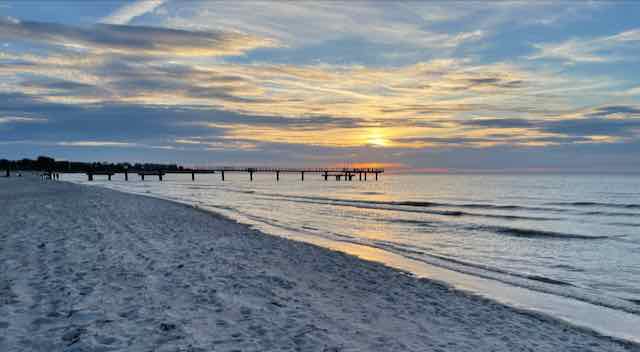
x=45, y=163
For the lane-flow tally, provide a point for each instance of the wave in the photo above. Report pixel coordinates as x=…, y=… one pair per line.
x=415, y=204
x=472, y=206
x=414, y=222
x=532, y=233
x=548, y=280
x=418, y=204
x=608, y=213
x=534, y=282
x=382, y=205
x=596, y=204
x=628, y=224
x=567, y=267
x=511, y=231
x=455, y=213
x=197, y=187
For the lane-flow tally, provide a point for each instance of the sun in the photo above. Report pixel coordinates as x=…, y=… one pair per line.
x=378, y=142
x=377, y=138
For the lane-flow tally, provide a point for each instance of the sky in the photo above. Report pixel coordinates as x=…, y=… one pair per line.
x=423, y=86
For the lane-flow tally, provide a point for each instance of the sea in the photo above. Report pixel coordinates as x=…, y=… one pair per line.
x=561, y=245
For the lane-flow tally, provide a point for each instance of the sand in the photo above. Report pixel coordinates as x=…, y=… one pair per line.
x=89, y=269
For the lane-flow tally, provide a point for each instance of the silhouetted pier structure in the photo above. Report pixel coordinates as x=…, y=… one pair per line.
x=91, y=174
x=346, y=174
x=340, y=174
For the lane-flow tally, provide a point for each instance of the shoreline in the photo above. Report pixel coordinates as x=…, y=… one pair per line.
x=96, y=268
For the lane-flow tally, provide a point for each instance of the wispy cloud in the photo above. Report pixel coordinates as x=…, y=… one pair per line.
x=308, y=23
x=21, y=119
x=127, y=13
x=218, y=143
x=97, y=144
x=132, y=40
x=618, y=47
x=111, y=144
x=635, y=91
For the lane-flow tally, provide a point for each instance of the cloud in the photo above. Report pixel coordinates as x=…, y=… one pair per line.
x=612, y=128
x=634, y=91
x=157, y=83
x=308, y=23
x=156, y=133
x=21, y=119
x=111, y=144
x=619, y=47
x=320, y=105
x=463, y=37
x=571, y=51
x=97, y=144
x=437, y=88
x=616, y=109
x=132, y=40
x=500, y=123
x=127, y=13
x=601, y=124
x=218, y=144
x=632, y=35
x=489, y=141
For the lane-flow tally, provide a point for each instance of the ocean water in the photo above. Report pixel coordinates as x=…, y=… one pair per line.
x=575, y=238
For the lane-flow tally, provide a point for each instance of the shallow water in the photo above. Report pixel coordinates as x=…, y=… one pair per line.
x=569, y=236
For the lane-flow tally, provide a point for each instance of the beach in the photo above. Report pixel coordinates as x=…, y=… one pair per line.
x=92, y=269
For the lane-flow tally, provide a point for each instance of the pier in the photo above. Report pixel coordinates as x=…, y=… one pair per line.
x=340, y=174
x=326, y=174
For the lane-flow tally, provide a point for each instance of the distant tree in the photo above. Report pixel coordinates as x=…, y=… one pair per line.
x=45, y=163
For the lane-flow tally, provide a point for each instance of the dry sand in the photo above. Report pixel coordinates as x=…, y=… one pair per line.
x=90, y=269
